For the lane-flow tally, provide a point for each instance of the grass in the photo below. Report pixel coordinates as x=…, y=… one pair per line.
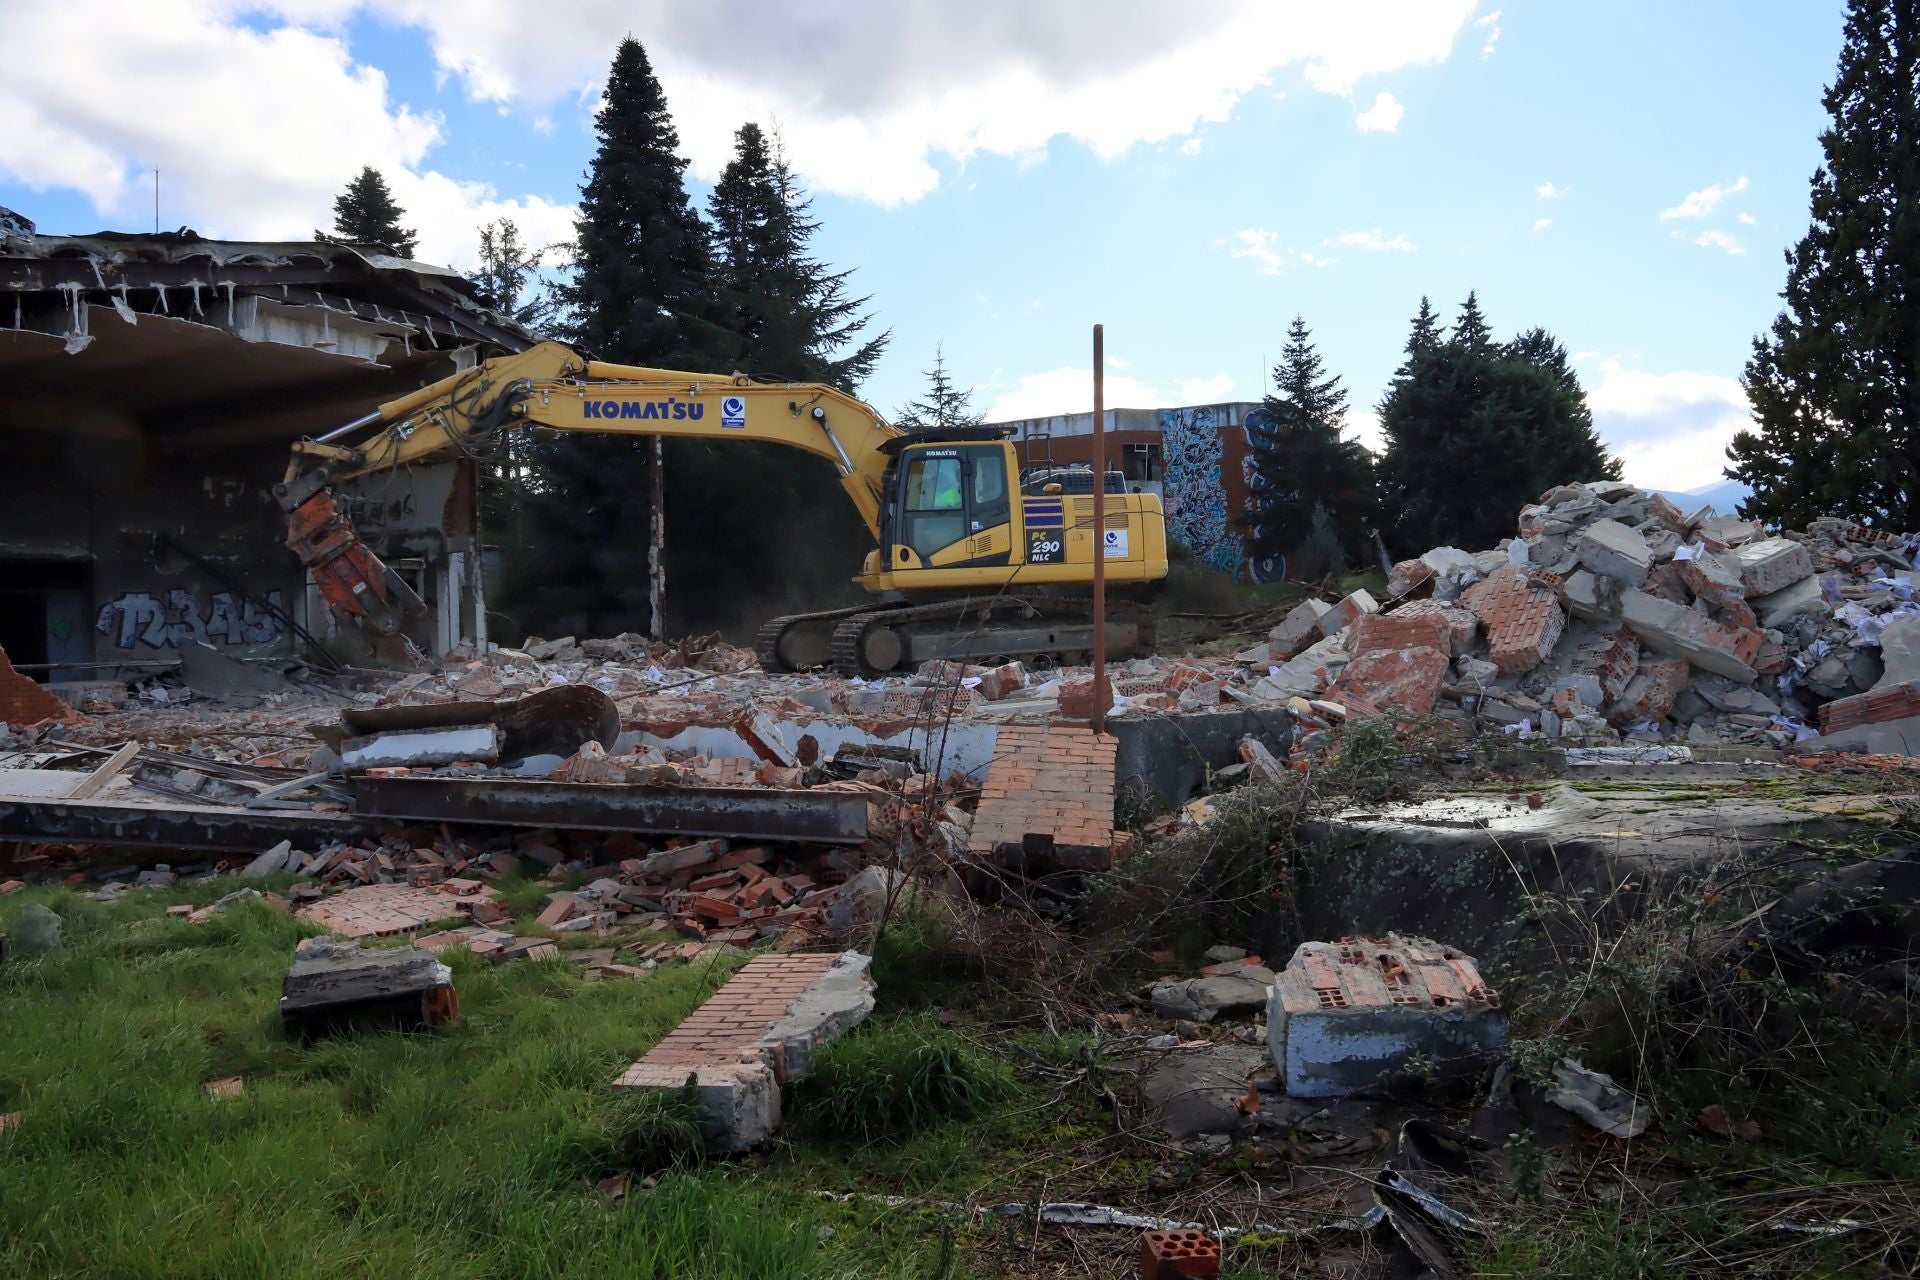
x=888, y=1082
x=456, y=1153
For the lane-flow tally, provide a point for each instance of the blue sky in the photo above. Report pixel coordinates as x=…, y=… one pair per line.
x=1004, y=175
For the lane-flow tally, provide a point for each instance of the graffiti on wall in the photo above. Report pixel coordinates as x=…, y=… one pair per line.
x=176, y=616
x=1195, y=498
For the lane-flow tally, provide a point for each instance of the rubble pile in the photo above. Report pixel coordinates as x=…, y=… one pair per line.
x=1615, y=617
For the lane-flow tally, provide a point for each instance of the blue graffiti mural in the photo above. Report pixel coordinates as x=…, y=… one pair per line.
x=170, y=620
x=1196, y=498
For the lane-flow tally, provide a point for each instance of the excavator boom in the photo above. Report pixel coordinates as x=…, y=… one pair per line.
x=945, y=514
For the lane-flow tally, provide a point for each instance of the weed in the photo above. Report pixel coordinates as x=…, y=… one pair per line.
x=648, y=1129
x=883, y=1083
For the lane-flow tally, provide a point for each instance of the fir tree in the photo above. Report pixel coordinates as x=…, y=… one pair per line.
x=1307, y=478
x=508, y=280
x=365, y=214
x=643, y=292
x=792, y=315
x=1835, y=385
x=946, y=405
x=1476, y=429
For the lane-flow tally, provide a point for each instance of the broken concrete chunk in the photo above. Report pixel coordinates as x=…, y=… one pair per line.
x=274, y=859
x=760, y=1030
x=1204, y=999
x=1783, y=606
x=1676, y=630
x=1900, y=652
x=1297, y=630
x=1771, y=565
x=1344, y=1014
x=334, y=981
x=1612, y=550
x=1349, y=611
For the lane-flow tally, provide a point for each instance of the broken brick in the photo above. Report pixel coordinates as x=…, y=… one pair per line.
x=1407, y=679
x=1523, y=621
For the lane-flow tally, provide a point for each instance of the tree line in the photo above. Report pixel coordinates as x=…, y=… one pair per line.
x=1473, y=429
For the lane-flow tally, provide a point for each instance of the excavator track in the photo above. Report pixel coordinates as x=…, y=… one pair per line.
x=1045, y=631
x=800, y=641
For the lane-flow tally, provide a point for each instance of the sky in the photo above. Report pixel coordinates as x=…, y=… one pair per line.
x=1002, y=175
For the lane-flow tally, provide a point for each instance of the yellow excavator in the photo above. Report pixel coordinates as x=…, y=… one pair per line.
x=969, y=562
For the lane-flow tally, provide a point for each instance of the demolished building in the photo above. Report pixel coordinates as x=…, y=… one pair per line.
x=149, y=387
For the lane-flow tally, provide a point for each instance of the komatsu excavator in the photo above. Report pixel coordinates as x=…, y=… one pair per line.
x=968, y=563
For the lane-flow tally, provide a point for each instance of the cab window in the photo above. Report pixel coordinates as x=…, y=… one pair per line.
x=933, y=484
x=989, y=480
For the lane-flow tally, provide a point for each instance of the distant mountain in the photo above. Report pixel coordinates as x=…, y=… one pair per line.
x=1725, y=496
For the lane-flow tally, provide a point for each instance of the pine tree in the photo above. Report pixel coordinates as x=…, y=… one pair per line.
x=1835, y=385
x=1476, y=429
x=643, y=292
x=366, y=214
x=946, y=405
x=1309, y=483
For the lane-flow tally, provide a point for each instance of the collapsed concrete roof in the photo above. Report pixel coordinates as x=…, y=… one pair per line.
x=197, y=343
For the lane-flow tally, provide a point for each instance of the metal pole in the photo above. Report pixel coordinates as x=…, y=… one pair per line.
x=1101, y=698
x=657, y=537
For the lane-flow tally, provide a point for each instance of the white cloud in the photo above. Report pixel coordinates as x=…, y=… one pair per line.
x=1699, y=204
x=1547, y=191
x=254, y=132
x=1070, y=390
x=1491, y=25
x=1719, y=240
x=1192, y=146
x=1671, y=430
x=1745, y=219
x=890, y=89
x=1374, y=241
x=1541, y=224
x=258, y=112
x=1206, y=390
x=1262, y=247
x=1383, y=116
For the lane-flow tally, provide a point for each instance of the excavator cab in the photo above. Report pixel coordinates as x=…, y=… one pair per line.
x=948, y=505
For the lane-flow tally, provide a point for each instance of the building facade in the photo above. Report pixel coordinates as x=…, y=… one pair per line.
x=1194, y=456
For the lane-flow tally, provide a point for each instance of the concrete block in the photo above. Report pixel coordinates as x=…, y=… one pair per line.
x=1681, y=632
x=1591, y=598
x=269, y=862
x=1300, y=628
x=1613, y=550
x=1343, y=1014
x=1772, y=564
x=1900, y=652
x=1349, y=611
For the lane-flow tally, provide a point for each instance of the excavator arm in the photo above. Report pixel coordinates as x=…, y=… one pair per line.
x=550, y=386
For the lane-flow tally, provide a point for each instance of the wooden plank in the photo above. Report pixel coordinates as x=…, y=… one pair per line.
x=106, y=772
